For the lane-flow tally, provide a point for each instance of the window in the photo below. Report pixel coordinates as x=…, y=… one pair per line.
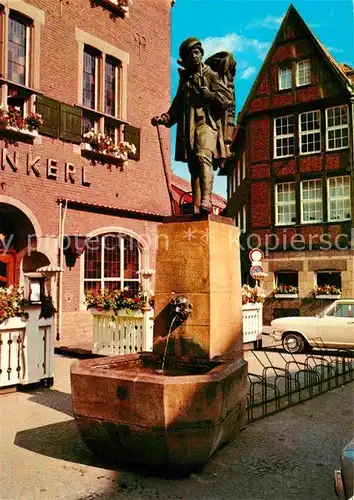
x=229, y=186
x=18, y=51
x=242, y=220
x=337, y=128
x=112, y=262
x=234, y=179
x=102, y=89
x=303, y=73
x=284, y=139
x=344, y=311
x=339, y=207
x=238, y=168
x=18, y=64
x=285, y=203
x=111, y=88
x=94, y=64
x=311, y=201
x=285, y=78
x=287, y=278
x=243, y=165
x=329, y=278
x=310, y=132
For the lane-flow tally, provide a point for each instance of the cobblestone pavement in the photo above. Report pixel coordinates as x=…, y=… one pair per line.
x=291, y=455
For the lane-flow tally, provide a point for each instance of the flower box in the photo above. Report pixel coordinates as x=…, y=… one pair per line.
x=15, y=323
x=95, y=157
x=328, y=296
x=286, y=295
x=117, y=6
x=121, y=313
x=17, y=134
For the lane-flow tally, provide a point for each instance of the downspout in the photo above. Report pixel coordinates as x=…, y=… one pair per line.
x=62, y=216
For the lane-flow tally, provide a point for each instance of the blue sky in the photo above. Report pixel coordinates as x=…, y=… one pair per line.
x=248, y=28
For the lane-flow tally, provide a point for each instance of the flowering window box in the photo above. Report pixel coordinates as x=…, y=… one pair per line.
x=328, y=296
x=121, y=313
x=14, y=126
x=16, y=134
x=330, y=292
x=120, y=7
x=286, y=295
x=101, y=148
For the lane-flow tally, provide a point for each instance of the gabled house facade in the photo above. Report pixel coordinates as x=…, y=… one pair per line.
x=290, y=180
x=68, y=199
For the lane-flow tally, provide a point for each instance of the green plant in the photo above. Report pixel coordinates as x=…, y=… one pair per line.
x=104, y=144
x=327, y=290
x=285, y=289
x=12, y=303
x=252, y=295
x=116, y=300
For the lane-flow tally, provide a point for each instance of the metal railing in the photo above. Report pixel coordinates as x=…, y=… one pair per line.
x=284, y=379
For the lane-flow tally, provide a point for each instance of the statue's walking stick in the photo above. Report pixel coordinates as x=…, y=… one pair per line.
x=169, y=188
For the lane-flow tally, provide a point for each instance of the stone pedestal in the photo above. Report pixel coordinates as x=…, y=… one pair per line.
x=199, y=259
x=127, y=409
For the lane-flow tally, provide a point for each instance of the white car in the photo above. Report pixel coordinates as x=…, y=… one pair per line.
x=334, y=327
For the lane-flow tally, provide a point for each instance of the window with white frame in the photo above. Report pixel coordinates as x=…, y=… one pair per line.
x=311, y=201
x=287, y=281
x=303, y=73
x=285, y=203
x=284, y=136
x=337, y=128
x=339, y=204
x=325, y=279
x=112, y=262
x=98, y=101
x=285, y=78
x=310, y=132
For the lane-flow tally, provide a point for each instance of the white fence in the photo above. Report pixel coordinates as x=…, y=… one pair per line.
x=26, y=349
x=252, y=320
x=128, y=333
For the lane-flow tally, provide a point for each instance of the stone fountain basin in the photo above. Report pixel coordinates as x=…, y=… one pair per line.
x=126, y=411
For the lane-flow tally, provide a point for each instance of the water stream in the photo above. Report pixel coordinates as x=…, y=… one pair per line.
x=166, y=346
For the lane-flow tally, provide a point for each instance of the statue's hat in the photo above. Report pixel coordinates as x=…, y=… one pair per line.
x=187, y=45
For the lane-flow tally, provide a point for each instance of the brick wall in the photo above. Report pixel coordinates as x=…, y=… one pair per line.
x=140, y=185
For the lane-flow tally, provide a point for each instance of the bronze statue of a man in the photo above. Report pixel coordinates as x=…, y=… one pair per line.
x=200, y=109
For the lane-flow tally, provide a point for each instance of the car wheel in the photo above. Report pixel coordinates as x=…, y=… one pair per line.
x=293, y=343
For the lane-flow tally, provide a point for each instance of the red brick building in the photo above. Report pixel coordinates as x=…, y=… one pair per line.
x=291, y=182
x=82, y=65
x=182, y=197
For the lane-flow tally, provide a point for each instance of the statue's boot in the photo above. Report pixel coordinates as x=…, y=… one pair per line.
x=196, y=194
x=206, y=177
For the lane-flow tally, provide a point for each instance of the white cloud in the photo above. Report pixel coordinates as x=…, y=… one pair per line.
x=232, y=42
x=248, y=72
x=269, y=22
x=333, y=49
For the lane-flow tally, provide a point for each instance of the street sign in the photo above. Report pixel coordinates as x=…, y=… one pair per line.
x=256, y=270
x=256, y=255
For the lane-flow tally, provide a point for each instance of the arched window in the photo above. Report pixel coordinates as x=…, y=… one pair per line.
x=112, y=262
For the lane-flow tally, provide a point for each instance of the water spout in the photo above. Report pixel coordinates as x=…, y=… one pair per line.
x=180, y=309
